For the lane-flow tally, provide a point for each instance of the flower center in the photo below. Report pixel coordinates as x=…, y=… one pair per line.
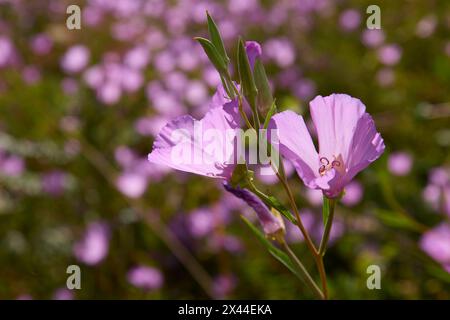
x=326, y=165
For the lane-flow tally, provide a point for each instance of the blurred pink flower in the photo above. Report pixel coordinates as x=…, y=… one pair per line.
x=437, y=192
x=426, y=26
x=137, y=58
x=350, y=20
x=94, y=76
x=31, y=74
x=146, y=278
x=196, y=93
x=223, y=285
x=94, y=245
x=109, y=93
x=390, y=54
x=132, y=184
x=69, y=85
x=201, y=222
x=6, y=51
x=63, y=294
x=11, y=165
x=304, y=88
x=385, y=77
x=372, y=38
x=281, y=51
x=54, y=182
x=353, y=194
x=41, y=44
x=400, y=163
x=436, y=244
x=75, y=59
x=440, y=176
x=314, y=196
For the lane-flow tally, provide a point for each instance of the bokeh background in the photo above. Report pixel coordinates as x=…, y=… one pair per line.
x=79, y=110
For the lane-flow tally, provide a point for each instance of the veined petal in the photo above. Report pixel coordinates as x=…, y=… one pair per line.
x=367, y=145
x=203, y=147
x=296, y=145
x=335, y=118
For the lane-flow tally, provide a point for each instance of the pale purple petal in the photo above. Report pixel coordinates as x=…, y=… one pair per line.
x=335, y=118
x=296, y=145
x=179, y=146
x=367, y=146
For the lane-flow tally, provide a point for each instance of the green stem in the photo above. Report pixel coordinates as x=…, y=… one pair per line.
x=306, y=276
x=328, y=215
x=240, y=101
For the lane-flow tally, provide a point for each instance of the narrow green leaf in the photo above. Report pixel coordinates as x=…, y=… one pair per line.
x=264, y=99
x=216, y=39
x=229, y=92
x=245, y=75
x=395, y=220
x=271, y=201
x=213, y=55
x=270, y=113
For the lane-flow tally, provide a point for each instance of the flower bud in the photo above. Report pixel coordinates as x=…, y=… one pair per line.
x=272, y=225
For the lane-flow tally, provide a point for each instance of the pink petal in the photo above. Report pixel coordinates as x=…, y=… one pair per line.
x=367, y=146
x=335, y=118
x=296, y=145
x=181, y=147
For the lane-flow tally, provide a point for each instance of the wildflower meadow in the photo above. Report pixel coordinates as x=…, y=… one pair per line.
x=229, y=149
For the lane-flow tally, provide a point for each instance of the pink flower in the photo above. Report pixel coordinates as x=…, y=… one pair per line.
x=436, y=244
x=400, y=163
x=132, y=184
x=373, y=38
x=353, y=194
x=145, y=278
x=390, y=54
x=348, y=142
x=41, y=44
x=75, y=59
x=63, y=294
x=94, y=246
x=350, y=19
x=183, y=143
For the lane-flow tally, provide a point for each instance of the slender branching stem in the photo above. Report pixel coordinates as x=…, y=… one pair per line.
x=306, y=276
